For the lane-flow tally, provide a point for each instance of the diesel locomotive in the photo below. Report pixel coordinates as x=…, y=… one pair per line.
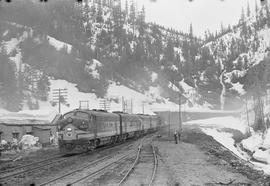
x=82, y=129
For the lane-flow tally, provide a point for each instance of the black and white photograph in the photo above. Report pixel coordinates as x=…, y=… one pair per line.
x=134, y=92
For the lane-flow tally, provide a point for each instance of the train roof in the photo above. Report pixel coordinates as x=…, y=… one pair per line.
x=95, y=112
x=113, y=114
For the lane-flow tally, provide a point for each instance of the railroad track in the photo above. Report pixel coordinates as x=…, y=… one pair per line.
x=28, y=165
x=24, y=169
x=143, y=154
x=89, y=170
x=49, y=162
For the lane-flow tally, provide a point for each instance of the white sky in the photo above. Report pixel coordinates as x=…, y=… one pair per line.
x=203, y=14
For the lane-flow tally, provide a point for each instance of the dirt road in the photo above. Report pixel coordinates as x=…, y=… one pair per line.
x=199, y=160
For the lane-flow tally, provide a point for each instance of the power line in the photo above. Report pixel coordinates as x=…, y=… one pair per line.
x=59, y=95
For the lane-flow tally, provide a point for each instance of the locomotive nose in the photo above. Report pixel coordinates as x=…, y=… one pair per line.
x=69, y=132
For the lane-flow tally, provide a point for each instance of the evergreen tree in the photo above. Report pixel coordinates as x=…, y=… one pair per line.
x=169, y=51
x=141, y=22
x=132, y=15
x=256, y=8
x=10, y=92
x=222, y=27
x=126, y=8
x=190, y=31
x=242, y=19
x=43, y=87
x=267, y=16
x=100, y=13
x=248, y=10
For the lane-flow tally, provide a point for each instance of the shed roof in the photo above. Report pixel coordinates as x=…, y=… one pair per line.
x=28, y=118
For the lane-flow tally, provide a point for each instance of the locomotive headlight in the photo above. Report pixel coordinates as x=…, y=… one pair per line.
x=69, y=129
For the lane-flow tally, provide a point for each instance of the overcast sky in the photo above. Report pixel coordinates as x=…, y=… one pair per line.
x=203, y=14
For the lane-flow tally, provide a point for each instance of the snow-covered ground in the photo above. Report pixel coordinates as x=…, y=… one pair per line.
x=256, y=143
x=146, y=103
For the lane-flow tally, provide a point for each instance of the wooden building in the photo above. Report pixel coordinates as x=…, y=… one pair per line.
x=12, y=128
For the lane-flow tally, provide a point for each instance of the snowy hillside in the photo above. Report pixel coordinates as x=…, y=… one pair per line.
x=101, y=42
x=142, y=57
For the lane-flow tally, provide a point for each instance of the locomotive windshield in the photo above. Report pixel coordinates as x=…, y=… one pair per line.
x=67, y=115
x=82, y=115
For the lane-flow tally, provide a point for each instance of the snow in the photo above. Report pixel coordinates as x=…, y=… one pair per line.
x=28, y=116
x=73, y=95
x=147, y=102
x=94, y=68
x=238, y=87
x=17, y=60
x=154, y=76
x=266, y=141
x=5, y=33
x=253, y=142
x=173, y=87
x=225, y=139
x=59, y=44
x=10, y=45
x=185, y=86
x=263, y=156
x=28, y=141
x=174, y=68
x=221, y=122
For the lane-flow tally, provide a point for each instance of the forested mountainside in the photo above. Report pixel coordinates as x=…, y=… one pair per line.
x=98, y=41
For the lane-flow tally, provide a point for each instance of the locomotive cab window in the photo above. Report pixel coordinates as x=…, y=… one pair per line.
x=82, y=115
x=68, y=115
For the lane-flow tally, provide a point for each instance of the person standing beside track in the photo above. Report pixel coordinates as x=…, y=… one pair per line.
x=176, y=136
x=179, y=134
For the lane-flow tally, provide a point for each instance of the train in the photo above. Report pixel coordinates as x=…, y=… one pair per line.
x=83, y=130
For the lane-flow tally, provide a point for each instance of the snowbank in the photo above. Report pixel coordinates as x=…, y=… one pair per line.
x=253, y=142
x=222, y=122
x=226, y=140
x=29, y=141
x=28, y=116
x=59, y=44
x=262, y=155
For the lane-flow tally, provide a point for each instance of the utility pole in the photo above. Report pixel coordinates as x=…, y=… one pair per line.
x=180, y=118
x=169, y=123
x=131, y=107
x=143, y=107
x=104, y=104
x=124, y=105
x=247, y=114
x=80, y=104
x=59, y=95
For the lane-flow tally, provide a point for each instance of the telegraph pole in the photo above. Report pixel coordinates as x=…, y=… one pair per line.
x=59, y=94
x=131, y=107
x=143, y=107
x=80, y=104
x=180, y=118
x=169, y=123
x=104, y=104
x=246, y=103
x=123, y=105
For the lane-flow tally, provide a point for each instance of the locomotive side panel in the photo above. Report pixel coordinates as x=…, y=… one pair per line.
x=146, y=120
x=155, y=122
x=107, y=126
x=131, y=124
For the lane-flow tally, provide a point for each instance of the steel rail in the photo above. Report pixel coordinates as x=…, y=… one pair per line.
x=155, y=167
x=84, y=167
x=133, y=165
x=29, y=164
x=101, y=169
